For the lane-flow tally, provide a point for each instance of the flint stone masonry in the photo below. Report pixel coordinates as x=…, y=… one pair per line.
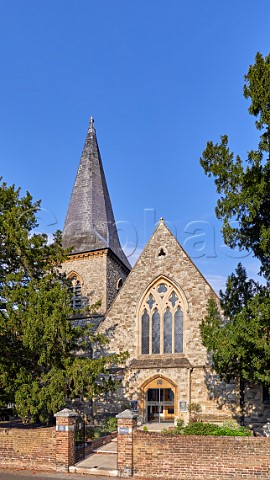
x=116, y=271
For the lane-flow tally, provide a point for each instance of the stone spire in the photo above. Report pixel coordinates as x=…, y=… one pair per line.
x=90, y=223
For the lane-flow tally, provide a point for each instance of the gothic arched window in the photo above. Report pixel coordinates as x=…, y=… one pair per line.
x=76, y=289
x=161, y=317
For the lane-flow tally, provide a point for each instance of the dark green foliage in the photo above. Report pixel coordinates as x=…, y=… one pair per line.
x=239, y=290
x=110, y=424
x=200, y=428
x=40, y=365
x=243, y=185
x=240, y=346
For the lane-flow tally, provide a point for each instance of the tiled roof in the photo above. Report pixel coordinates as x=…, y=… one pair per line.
x=90, y=223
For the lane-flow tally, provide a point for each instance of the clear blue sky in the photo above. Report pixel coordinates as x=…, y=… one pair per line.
x=160, y=77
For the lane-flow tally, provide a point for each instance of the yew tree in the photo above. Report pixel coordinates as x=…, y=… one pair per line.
x=240, y=345
x=41, y=360
x=243, y=184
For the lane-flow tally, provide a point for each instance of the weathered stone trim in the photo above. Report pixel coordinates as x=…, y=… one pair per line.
x=151, y=361
x=79, y=256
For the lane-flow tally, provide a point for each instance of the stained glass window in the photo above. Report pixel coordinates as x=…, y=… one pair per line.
x=156, y=332
x=168, y=331
x=178, y=331
x=145, y=333
x=162, y=288
x=173, y=298
x=161, y=320
x=150, y=301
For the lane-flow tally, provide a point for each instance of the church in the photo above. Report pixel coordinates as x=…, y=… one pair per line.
x=152, y=311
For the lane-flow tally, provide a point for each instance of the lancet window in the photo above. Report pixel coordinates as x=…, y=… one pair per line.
x=161, y=317
x=76, y=289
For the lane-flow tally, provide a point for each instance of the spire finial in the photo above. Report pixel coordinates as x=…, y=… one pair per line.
x=91, y=125
x=161, y=220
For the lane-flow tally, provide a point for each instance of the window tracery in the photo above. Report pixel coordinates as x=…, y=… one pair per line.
x=161, y=317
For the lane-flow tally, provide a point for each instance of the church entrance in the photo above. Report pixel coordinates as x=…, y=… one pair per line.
x=159, y=405
x=159, y=400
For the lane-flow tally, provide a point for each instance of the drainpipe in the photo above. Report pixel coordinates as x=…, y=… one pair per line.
x=190, y=370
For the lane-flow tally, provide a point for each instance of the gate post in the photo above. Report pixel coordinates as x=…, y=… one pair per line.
x=127, y=422
x=65, y=439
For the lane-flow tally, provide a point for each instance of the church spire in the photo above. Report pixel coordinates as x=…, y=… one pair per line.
x=90, y=223
x=91, y=125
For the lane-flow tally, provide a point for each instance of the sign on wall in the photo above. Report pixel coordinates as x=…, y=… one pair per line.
x=124, y=430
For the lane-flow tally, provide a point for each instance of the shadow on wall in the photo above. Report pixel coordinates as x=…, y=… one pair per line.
x=226, y=397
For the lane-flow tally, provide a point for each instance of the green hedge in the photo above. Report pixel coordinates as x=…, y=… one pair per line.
x=200, y=428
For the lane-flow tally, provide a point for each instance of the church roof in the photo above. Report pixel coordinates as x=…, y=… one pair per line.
x=90, y=223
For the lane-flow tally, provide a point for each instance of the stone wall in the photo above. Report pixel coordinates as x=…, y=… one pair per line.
x=28, y=448
x=190, y=370
x=99, y=272
x=198, y=457
x=91, y=267
x=123, y=323
x=176, y=267
x=116, y=271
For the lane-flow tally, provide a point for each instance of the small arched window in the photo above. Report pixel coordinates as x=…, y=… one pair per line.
x=119, y=284
x=161, y=317
x=76, y=290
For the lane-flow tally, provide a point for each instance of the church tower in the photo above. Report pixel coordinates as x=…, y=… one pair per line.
x=97, y=265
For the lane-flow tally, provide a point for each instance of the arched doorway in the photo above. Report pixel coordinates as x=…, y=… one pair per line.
x=159, y=400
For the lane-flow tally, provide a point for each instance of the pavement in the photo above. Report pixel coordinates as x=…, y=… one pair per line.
x=101, y=464
x=7, y=474
x=103, y=461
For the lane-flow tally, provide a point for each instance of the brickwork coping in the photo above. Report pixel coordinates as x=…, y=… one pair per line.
x=65, y=439
x=127, y=422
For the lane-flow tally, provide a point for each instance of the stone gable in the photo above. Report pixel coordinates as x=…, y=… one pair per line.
x=188, y=374
x=176, y=266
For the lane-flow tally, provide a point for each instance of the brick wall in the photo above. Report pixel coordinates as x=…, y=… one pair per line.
x=204, y=458
x=28, y=448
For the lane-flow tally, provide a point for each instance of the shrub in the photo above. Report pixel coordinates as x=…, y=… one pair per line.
x=110, y=424
x=200, y=428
